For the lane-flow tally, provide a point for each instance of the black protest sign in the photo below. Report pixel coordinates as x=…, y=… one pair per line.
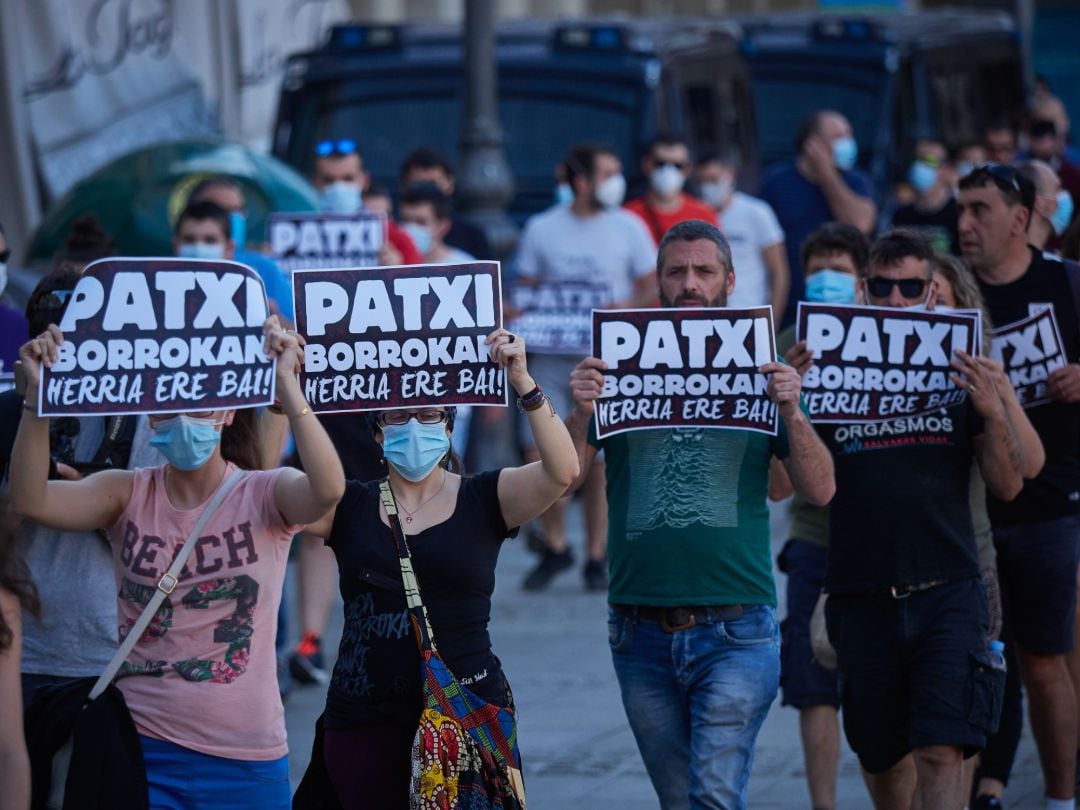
x=684, y=368
x=399, y=337
x=878, y=363
x=556, y=316
x=313, y=241
x=1030, y=350
x=160, y=336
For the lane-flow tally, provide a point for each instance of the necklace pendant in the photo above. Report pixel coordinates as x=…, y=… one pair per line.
x=408, y=518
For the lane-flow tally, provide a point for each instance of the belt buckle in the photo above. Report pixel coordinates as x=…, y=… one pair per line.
x=900, y=591
x=684, y=619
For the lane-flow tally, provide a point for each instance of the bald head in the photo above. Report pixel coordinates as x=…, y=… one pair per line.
x=1042, y=175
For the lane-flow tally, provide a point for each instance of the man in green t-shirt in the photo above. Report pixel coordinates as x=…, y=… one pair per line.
x=692, y=623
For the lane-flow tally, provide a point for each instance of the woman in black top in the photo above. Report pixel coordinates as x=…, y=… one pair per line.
x=455, y=527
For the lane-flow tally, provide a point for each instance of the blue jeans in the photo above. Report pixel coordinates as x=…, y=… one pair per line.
x=695, y=700
x=182, y=779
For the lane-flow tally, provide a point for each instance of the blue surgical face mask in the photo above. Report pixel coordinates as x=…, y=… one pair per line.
x=202, y=250
x=922, y=176
x=1063, y=216
x=828, y=286
x=238, y=229
x=845, y=152
x=564, y=194
x=187, y=442
x=420, y=235
x=341, y=198
x=415, y=449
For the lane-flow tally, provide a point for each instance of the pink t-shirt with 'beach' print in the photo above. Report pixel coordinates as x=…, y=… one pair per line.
x=204, y=673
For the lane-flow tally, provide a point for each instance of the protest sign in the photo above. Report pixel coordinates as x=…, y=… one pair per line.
x=684, y=368
x=1030, y=350
x=160, y=336
x=305, y=241
x=878, y=363
x=556, y=316
x=399, y=337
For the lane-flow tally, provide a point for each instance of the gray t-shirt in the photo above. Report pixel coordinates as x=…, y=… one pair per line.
x=612, y=247
x=76, y=635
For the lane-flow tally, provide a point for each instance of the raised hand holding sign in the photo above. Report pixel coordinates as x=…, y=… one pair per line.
x=159, y=336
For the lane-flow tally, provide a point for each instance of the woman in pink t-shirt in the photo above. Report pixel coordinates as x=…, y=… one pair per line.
x=201, y=683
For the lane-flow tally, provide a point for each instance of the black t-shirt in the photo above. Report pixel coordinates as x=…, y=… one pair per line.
x=940, y=226
x=1055, y=492
x=377, y=675
x=361, y=456
x=466, y=236
x=901, y=513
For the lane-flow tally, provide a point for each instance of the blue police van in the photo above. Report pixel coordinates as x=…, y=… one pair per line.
x=617, y=82
x=896, y=77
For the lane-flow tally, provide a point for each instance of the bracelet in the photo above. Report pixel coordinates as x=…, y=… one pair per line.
x=304, y=412
x=537, y=405
x=532, y=400
x=30, y=407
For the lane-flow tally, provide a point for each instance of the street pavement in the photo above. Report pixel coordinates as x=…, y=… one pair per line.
x=577, y=748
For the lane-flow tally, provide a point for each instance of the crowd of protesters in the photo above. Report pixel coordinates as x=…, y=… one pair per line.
x=912, y=560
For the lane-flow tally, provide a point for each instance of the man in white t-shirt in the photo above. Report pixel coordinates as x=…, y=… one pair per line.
x=754, y=233
x=593, y=240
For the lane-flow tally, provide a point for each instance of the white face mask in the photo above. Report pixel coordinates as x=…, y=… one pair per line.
x=666, y=180
x=3, y=277
x=611, y=192
x=717, y=194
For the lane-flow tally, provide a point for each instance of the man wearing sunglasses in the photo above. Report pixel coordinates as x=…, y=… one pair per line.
x=12, y=322
x=933, y=211
x=666, y=164
x=907, y=608
x=338, y=175
x=1037, y=535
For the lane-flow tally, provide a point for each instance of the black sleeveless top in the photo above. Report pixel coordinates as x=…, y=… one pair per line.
x=377, y=675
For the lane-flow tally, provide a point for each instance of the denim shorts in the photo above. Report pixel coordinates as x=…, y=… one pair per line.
x=1037, y=571
x=803, y=681
x=915, y=671
x=182, y=779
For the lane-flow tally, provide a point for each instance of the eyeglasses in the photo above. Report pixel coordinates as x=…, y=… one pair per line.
x=55, y=299
x=5, y=254
x=345, y=146
x=429, y=416
x=880, y=287
x=678, y=164
x=1002, y=174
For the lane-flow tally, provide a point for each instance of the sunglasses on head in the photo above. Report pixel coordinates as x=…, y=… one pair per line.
x=880, y=287
x=344, y=146
x=1001, y=173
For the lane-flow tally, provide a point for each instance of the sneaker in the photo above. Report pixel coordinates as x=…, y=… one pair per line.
x=551, y=563
x=985, y=802
x=595, y=574
x=306, y=661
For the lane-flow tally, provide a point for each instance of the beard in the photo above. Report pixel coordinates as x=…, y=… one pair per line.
x=693, y=299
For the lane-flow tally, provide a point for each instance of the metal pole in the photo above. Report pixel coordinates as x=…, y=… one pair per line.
x=485, y=184
x=1025, y=18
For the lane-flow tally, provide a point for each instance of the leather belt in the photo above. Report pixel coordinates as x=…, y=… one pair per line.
x=674, y=619
x=904, y=591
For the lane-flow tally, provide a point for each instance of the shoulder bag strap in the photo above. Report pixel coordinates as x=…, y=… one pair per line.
x=421, y=625
x=165, y=585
